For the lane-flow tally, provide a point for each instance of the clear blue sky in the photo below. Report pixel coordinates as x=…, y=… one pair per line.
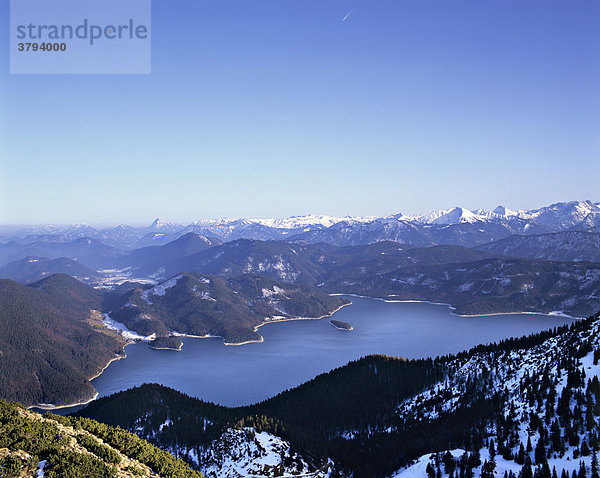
x=263, y=108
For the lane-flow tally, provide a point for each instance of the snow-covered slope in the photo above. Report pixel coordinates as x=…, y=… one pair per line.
x=550, y=415
x=245, y=452
x=561, y=216
x=455, y=215
x=308, y=220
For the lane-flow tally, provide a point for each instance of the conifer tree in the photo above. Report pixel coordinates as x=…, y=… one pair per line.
x=595, y=466
x=520, y=456
x=492, y=449
x=526, y=471
x=488, y=469
x=585, y=449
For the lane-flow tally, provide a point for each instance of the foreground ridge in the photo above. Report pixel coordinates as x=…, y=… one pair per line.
x=56, y=446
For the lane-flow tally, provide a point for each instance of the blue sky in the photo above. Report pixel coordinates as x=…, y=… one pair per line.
x=278, y=107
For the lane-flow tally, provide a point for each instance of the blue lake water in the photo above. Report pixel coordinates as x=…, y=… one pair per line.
x=295, y=351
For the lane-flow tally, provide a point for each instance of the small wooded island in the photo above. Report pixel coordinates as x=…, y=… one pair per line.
x=166, y=343
x=338, y=324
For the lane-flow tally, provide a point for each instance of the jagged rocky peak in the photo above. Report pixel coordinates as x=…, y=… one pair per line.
x=504, y=211
x=159, y=225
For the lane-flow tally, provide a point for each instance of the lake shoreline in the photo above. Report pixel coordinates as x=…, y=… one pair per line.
x=166, y=348
x=49, y=407
x=347, y=327
x=266, y=322
x=453, y=308
x=297, y=352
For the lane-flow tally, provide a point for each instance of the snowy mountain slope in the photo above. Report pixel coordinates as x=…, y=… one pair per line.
x=561, y=216
x=549, y=414
x=502, y=466
x=454, y=215
x=274, y=259
x=309, y=220
x=163, y=226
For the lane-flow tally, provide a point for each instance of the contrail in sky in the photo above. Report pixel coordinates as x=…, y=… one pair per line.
x=347, y=15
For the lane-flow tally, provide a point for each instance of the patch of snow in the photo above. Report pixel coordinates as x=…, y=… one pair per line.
x=160, y=289
x=40, y=469
x=276, y=291
x=166, y=423
x=244, y=452
x=123, y=330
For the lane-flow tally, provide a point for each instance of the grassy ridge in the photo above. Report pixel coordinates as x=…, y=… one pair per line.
x=77, y=447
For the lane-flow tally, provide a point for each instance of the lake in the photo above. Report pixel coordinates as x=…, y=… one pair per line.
x=295, y=351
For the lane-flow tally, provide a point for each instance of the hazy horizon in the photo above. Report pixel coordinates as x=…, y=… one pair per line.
x=184, y=222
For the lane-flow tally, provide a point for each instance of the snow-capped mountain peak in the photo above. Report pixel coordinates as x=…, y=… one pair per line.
x=308, y=220
x=161, y=226
x=503, y=211
x=563, y=215
x=453, y=215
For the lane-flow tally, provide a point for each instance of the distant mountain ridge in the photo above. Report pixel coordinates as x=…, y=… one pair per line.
x=468, y=227
x=472, y=281
x=31, y=269
x=558, y=246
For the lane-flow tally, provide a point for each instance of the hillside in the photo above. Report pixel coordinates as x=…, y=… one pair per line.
x=314, y=263
x=472, y=281
x=152, y=259
x=91, y=252
x=537, y=398
x=276, y=260
x=486, y=286
x=560, y=246
x=31, y=269
x=232, y=308
x=59, y=447
x=48, y=350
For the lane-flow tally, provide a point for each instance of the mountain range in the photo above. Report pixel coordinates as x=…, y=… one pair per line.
x=451, y=226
